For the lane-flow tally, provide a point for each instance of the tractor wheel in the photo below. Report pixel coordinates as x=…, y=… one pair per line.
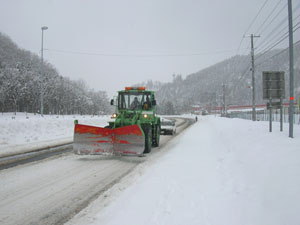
x=148, y=139
x=157, y=137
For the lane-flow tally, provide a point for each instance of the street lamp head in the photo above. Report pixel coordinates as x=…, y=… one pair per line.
x=44, y=28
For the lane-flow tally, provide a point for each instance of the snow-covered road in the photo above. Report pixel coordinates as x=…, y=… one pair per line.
x=48, y=192
x=220, y=171
x=53, y=190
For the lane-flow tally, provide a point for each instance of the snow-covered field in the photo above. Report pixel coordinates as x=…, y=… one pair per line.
x=21, y=132
x=220, y=171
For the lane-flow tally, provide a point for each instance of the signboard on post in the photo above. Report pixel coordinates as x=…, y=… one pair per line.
x=273, y=85
x=274, y=88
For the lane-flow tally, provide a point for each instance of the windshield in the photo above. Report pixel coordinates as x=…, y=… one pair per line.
x=168, y=123
x=134, y=101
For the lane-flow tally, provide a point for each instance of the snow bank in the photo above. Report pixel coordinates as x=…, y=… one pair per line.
x=221, y=171
x=28, y=132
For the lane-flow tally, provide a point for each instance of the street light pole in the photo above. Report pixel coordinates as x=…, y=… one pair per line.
x=253, y=79
x=42, y=71
x=291, y=57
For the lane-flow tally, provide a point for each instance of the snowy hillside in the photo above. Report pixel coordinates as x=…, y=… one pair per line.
x=220, y=171
x=20, y=74
x=205, y=86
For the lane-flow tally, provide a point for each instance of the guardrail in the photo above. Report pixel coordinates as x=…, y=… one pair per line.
x=263, y=115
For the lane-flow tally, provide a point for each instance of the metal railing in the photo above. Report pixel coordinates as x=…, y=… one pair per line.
x=263, y=115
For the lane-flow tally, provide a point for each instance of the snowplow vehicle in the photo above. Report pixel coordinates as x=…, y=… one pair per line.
x=135, y=129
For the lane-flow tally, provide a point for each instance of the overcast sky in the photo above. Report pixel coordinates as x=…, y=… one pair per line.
x=115, y=43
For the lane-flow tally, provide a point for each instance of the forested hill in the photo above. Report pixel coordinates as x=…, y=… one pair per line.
x=20, y=78
x=205, y=87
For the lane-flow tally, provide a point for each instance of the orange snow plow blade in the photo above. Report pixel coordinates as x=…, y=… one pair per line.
x=90, y=140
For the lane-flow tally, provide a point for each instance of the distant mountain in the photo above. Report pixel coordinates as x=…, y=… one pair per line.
x=205, y=87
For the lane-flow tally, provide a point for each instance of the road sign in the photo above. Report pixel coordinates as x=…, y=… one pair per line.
x=273, y=85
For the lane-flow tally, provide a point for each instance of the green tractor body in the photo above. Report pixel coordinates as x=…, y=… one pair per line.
x=135, y=129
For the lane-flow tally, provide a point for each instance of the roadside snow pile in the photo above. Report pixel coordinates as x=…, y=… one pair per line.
x=23, y=132
x=220, y=171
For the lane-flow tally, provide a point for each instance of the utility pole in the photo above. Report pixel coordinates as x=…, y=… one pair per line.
x=224, y=103
x=42, y=71
x=291, y=55
x=253, y=78
x=216, y=104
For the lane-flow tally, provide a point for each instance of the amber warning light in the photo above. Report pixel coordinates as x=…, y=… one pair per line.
x=135, y=88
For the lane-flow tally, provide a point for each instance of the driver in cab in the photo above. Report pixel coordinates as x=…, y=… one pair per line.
x=135, y=104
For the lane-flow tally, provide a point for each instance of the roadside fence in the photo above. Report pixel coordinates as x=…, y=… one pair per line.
x=263, y=115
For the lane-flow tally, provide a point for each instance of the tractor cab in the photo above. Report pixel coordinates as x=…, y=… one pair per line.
x=134, y=105
x=135, y=99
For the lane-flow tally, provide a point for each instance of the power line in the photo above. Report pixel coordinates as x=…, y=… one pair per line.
x=284, y=28
x=275, y=28
x=276, y=16
x=278, y=33
x=272, y=11
x=283, y=35
x=244, y=53
x=252, y=22
x=262, y=27
x=250, y=25
x=261, y=8
x=245, y=72
x=240, y=44
x=247, y=69
x=283, y=21
x=282, y=51
x=243, y=77
x=137, y=55
x=282, y=38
